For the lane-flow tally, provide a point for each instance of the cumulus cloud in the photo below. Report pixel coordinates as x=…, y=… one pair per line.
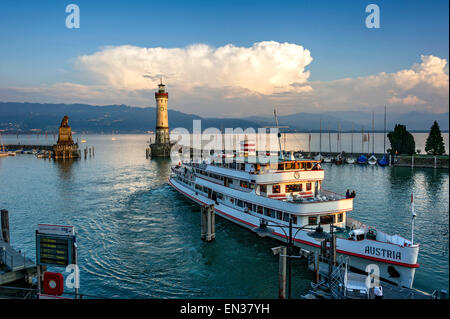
x=264, y=68
x=236, y=81
x=408, y=100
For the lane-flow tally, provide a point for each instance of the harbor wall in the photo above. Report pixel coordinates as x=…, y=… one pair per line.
x=425, y=161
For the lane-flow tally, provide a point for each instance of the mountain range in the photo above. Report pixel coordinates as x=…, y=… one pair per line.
x=27, y=117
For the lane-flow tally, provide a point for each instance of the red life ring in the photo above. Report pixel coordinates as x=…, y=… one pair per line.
x=53, y=283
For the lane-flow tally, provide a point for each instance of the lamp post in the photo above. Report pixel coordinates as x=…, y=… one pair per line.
x=263, y=230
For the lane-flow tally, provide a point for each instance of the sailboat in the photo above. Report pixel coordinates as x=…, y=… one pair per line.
x=384, y=161
x=372, y=159
x=362, y=159
x=328, y=159
x=350, y=159
x=319, y=156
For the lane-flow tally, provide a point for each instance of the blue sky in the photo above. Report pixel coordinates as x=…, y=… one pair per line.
x=37, y=49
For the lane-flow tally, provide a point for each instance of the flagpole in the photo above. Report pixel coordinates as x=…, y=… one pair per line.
x=413, y=217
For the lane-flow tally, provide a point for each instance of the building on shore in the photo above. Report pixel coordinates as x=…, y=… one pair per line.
x=162, y=145
x=65, y=147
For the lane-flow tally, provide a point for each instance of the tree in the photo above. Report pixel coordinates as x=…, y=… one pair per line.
x=402, y=142
x=435, y=142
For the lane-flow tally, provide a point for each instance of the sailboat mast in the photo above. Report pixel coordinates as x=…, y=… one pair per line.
x=279, y=134
x=373, y=132
x=353, y=127
x=384, y=132
x=320, y=138
x=362, y=139
x=329, y=137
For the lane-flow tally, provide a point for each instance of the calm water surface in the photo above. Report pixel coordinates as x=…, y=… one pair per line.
x=138, y=238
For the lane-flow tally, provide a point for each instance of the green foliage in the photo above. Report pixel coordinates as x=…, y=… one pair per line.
x=435, y=142
x=402, y=142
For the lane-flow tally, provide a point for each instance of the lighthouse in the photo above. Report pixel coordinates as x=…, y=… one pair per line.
x=162, y=145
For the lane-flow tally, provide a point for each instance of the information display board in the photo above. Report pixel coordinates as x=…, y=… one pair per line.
x=54, y=249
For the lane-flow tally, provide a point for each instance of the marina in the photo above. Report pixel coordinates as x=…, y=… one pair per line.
x=224, y=159
x=118, y=203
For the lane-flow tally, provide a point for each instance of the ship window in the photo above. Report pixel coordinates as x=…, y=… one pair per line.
x=286, y=217
x=308, y=186
x=328, y=219
x=293, y=188
x=279, y=215
x=244, y=184
x=276, y=189
x=312, y=220
x=289, y=166
x=259, y=210
x=297, y=165
x=294, y=219
x=302, y=165
x=308, y=165
x=340, y=217
x=272, y=213
x=281, y=167
x=219, y=195
x=240, y=203
x=263, y=188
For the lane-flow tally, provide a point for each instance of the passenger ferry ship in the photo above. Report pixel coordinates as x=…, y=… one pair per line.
x=246, y=191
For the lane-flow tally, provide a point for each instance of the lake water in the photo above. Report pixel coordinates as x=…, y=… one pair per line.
x=138, y=238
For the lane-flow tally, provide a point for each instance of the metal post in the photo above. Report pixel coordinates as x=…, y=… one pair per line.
x=317, y=268
x=203, y=222
x=281, y=251
x=208, y=223
x=75, y=253
x=289, y=256
x=5, y=225
x=213, y=223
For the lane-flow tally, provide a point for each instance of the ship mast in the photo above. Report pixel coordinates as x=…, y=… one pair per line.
x=279, y=133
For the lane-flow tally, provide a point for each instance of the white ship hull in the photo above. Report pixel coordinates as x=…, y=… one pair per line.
x=396, y=263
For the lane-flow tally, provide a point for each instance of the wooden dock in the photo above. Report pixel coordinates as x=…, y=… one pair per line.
x=13, y=147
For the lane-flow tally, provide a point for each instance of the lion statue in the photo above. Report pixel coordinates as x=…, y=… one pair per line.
x=65, y=121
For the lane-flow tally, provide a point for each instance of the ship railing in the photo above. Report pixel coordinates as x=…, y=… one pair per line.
x=380, y=236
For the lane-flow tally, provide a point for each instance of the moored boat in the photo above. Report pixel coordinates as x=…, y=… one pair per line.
x=349, y=160
x=248, y=190
x=362, y=159
x=372, y=160
x=384, y=161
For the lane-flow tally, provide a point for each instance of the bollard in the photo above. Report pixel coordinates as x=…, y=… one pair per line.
x=213, y=223
x=203, y=222
x=317, y=268
x=208, y=221
x=5, y=225
x=281, y=251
